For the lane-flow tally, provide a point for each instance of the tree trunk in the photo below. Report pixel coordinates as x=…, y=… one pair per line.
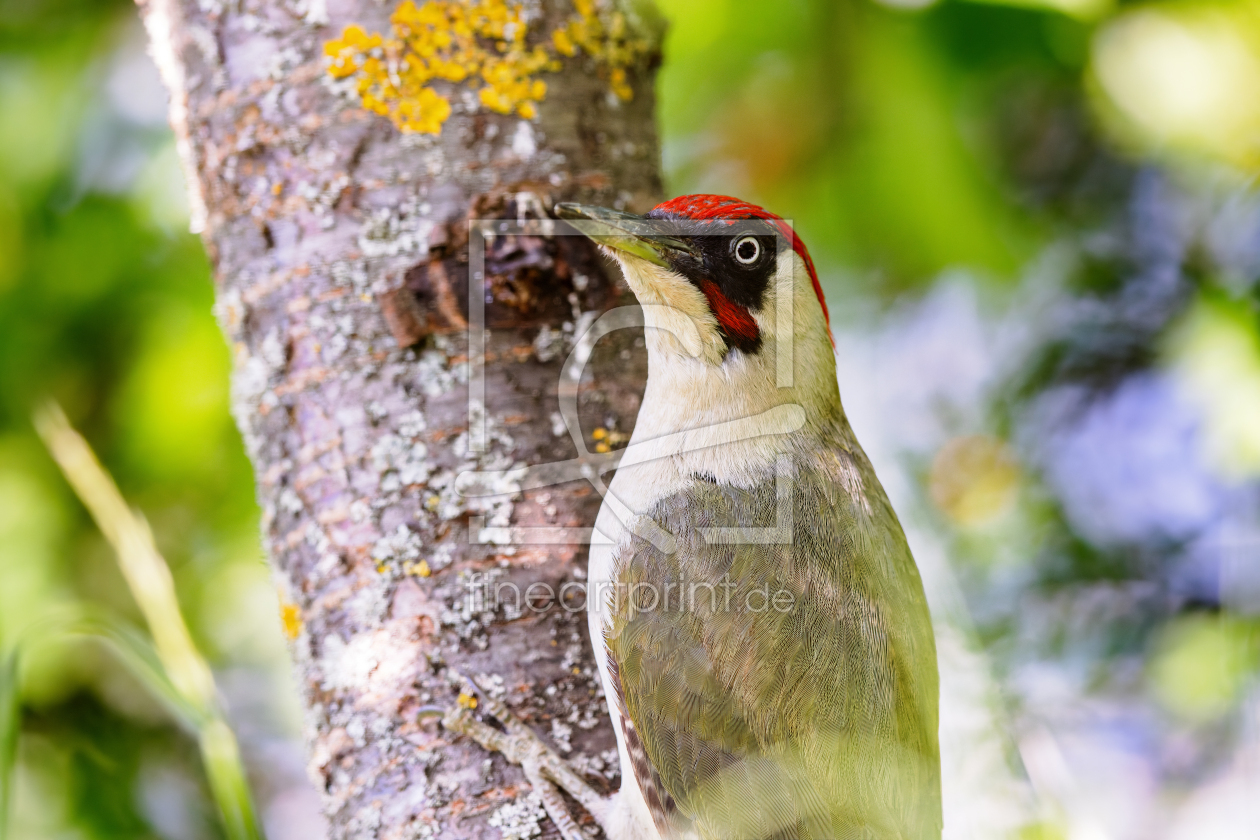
x=340, y=250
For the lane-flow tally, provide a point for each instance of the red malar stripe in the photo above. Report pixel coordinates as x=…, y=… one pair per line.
x=734, y=318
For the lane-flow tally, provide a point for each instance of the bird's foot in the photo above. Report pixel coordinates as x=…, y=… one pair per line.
x=542, y=766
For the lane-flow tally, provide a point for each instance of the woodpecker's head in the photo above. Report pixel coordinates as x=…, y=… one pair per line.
x=723, y=284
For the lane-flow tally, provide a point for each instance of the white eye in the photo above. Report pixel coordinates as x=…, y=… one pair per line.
x=747, y=250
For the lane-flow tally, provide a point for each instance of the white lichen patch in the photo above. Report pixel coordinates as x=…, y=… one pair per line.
x=561, y=734
x=329, y=559
x=370, y=604
x=607, y=764
x=549, y=344
x=445, y=502
x=370, y=665
x=422, y=830
x=273, y=352
x=334, y=347
x=347, y=667
x=412, y=424
x=443, y=555
x=587, y=718
x=229, y=310
x=520, y=820
x=391, y=231
x=253, y=375
x=400, y=462
x=492, y=685
x=558, y=428
x=401, y=547
x=436, y=375
x=466, y=605
x=497, y=508
x=351, y=273
x=321, y=200
x=290, y=502
x=524, y=143
x=250, y=389
x=486, y=485
x=574, y=654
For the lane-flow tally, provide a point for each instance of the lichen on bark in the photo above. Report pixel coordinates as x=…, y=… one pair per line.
x=491, y=46
x=339, y=247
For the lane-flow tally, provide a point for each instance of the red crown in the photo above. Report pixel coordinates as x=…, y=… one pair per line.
x=707, y=207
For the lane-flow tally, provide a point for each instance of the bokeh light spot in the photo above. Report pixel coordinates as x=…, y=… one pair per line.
x=974, y=479
x=1187, y=79
x=1200, y=666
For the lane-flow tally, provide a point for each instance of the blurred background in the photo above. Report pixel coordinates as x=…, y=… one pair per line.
x=1039, y=235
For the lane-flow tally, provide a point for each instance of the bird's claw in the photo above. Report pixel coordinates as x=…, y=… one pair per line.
x=521, y=746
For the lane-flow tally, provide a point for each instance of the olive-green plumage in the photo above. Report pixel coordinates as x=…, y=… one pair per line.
x=780, y=691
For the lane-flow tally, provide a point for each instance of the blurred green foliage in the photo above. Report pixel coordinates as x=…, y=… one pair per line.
x=874, y=129
x=105, y=306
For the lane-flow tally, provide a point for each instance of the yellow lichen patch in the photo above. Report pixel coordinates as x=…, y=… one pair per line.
x=466, y=700
x=613, y=44
x=290, y=620
x=474, y=41
x=420, y=569
x=606, y=439
x=563, y=43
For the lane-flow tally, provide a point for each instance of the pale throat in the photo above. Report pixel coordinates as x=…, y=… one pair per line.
x=721, y=412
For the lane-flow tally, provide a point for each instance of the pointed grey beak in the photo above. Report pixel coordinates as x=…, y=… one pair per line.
x=625, y=232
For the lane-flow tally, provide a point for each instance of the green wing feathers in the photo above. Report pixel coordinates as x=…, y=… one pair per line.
x=781, y=691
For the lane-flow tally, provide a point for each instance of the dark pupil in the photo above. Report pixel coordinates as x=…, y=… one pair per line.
x=747, y=249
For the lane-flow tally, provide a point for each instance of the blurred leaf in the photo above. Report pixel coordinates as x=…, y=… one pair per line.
x=173, y=406
x=38, y=99
x=88, y=256
x=105, y=303
x=916, y=196
x=32, y=528
x=138, y=655
x=133, y=651
x=10, y=239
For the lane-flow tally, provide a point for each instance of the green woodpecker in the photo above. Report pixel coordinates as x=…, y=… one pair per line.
x=758, y=619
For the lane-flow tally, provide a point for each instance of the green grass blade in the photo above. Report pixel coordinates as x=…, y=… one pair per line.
x=10, y=723
x=142, y=565
x=228, y=784
x=167, y=661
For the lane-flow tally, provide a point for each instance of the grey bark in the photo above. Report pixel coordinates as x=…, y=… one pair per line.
x=339, y=248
